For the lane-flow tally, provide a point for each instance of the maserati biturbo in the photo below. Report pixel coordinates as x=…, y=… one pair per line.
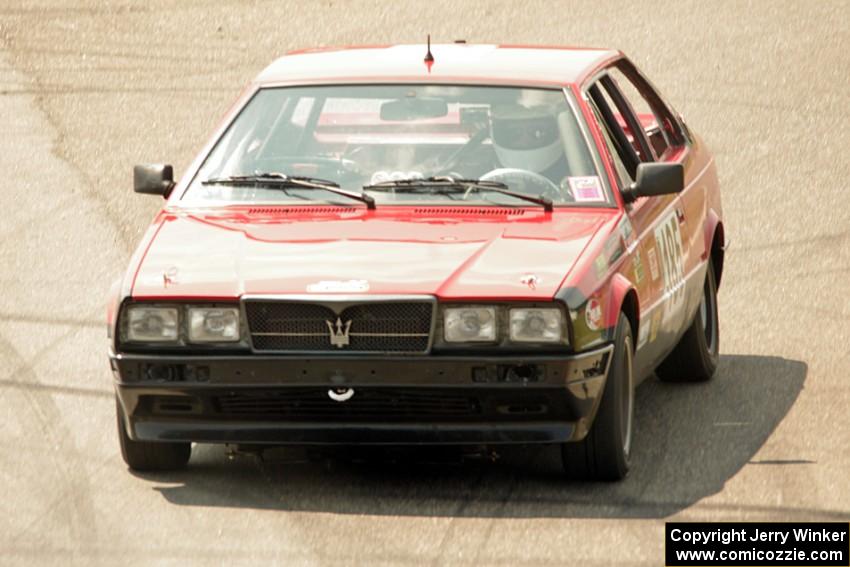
x=406, y=245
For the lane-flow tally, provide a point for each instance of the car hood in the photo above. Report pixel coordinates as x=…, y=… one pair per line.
x=450, y=253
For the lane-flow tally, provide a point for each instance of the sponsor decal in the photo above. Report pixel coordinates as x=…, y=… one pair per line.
x=654, y=323
x=653, y=263
x=334, y=286
x=593, y=315
x=643, y=333
x=637, y=264
x=531, y=280
x=627, y=231
x=586, y=189
x=169, y=276
x=614, y=248
x=601, y=265
x=668, y=240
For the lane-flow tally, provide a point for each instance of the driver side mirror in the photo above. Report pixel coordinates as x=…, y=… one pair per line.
x=153, y=179
x=656, y=179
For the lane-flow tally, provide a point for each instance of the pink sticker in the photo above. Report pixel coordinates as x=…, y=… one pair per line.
x=586, y=189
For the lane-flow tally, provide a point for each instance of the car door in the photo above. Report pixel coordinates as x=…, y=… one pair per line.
x=660, y=247
x=671, y=141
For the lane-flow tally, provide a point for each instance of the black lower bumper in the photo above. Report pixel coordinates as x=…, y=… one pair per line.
x=355, y=400
x=283, y=433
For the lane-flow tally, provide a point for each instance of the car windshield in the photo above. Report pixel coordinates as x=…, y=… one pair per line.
x=366, y=138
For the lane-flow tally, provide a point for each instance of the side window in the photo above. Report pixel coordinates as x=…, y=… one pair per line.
x=626, y=119
x=620, y=125
x=655, y=117
x=647, y=117
x=619, y=167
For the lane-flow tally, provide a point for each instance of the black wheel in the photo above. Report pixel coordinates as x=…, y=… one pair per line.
x=695, y=357
x=150, y=456
x=604, y=453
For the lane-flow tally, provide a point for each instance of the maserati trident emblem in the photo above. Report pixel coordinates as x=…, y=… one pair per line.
x=339, y=332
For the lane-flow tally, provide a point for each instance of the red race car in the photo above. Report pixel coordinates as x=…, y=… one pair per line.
x=396, y=245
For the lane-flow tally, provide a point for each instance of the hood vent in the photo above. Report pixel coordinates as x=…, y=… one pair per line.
x=469, y=211
x=300, y=210
x=464, y=211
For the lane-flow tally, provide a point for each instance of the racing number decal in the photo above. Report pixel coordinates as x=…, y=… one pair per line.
x=668, y=240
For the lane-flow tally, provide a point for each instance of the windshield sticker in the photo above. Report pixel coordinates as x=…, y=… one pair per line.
x=333, y=286
x=586, y=189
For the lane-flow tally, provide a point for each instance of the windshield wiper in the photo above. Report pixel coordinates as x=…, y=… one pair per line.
x=274, y=179
x=449, y=184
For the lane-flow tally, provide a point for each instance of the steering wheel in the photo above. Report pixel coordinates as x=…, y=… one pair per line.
x=525, y=181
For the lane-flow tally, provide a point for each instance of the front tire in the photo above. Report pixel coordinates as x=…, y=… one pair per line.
x=148, y=455
x=695, y=357
x=604, y=453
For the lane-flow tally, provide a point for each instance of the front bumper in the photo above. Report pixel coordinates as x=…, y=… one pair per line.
x=396, y=400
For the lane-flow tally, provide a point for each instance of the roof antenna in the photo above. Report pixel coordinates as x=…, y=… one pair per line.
x=429, y=57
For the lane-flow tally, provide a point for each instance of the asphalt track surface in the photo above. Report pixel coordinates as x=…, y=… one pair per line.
x=89, y=88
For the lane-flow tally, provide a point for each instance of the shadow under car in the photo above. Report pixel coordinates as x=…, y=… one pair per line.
x=689, y=440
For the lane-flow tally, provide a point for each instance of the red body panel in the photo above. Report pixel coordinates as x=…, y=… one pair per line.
x=397, y=250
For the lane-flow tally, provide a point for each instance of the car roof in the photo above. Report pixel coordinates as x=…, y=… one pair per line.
x=457, y=62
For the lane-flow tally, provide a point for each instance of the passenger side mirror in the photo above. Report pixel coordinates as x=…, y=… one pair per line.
x=656, y=179
x=153, y=179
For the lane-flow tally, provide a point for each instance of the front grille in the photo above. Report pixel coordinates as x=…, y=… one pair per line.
x=374, y=404
x=403, y=327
